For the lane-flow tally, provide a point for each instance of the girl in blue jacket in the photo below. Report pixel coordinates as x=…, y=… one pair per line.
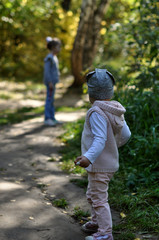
x=51, y=77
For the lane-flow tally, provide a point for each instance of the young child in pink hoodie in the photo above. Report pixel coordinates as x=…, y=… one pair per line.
x=104, y=131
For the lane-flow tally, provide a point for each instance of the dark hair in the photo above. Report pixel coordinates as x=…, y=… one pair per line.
x=53, y=43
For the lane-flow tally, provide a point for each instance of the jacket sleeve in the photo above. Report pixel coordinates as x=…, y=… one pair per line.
x=47, y=71
x=99, y=130
x=124, y=136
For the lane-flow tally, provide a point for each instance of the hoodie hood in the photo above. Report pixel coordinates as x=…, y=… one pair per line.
x=114, y=111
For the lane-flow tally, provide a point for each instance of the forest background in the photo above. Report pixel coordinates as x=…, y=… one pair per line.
x=128, y=41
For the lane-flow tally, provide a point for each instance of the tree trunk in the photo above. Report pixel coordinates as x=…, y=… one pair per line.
x=86, y=41
x=66, y=4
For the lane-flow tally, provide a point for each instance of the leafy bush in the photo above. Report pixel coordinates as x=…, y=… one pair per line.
x=142, y=150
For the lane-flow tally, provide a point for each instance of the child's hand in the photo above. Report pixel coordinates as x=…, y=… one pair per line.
x=51, y=86
x=82, y=161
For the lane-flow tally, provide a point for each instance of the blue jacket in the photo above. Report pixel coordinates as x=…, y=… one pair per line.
x=51, y=71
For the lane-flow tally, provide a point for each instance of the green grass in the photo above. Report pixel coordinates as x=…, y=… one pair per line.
x=79, y=214
x=80, y=182
x=52, y=160
x=5, y=96
x=72, y=140
x=61, y=203
x=19, y=115
x=141, y=207
x=68, y=109
x=29, y=90
x=42, y=186
x=127, y=235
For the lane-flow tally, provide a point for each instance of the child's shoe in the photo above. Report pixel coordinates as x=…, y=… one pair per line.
x=97, y=236
x=57, y=122
x=90, y=227
x=50, y=122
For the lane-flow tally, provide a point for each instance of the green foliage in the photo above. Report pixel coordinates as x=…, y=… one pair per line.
x=80, y=182
x=52, y=160
x=61, y=203
x=142, y=40
x=126, y=235
x=19, y=115
x=136, y=184
x=143, y=118
x=112, y=41
x=131, y=43
x=24, y=27
x=79, y=213
x=42, y=186
x=72, y=139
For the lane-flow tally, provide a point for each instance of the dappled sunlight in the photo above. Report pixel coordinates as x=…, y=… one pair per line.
x=24, y=211
x=31, y=103
x=71, y=116
x=54, y=178
x=41, y=140
x=20, y=95
x=9, y=186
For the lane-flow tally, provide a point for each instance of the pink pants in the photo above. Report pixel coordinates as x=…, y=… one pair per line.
x=97, y=196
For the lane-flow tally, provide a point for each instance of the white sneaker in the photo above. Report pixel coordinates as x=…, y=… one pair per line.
x=97, y=236
x=57, y=122
x=50, y=122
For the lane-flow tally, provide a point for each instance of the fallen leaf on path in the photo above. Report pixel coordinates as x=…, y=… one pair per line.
x=31, y=218
x=64, y=212
x=21, y=180
x=122, y=215
x=52, y=196
x=147, y=236
x=13, y=200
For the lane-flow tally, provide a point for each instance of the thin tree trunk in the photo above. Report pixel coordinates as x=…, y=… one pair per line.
x=66, y=4
x=86, y=41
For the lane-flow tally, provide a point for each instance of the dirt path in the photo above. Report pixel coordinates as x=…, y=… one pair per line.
x=25, y=148
x=26, y=212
